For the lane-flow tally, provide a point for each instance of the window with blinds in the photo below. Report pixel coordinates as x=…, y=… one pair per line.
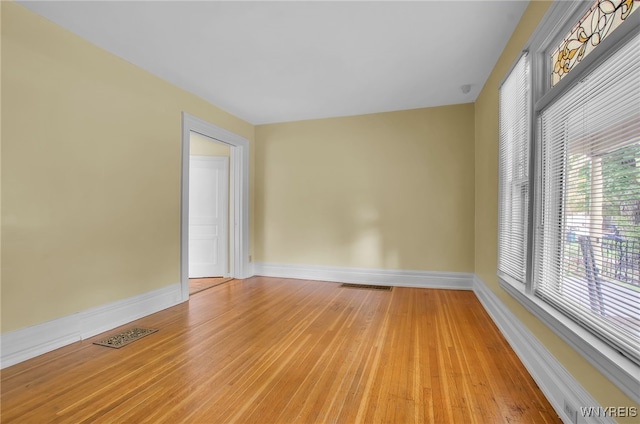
x=587, y=237
x=513, y=195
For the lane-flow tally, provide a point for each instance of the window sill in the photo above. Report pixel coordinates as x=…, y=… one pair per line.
x=620, y=370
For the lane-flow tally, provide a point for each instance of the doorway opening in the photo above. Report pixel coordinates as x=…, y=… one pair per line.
x=208, y=212
x=238, y=195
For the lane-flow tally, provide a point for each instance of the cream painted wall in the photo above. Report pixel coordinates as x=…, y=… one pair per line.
x=204, y=146
x=90, y=173
x=486, y=195
x=390, y=190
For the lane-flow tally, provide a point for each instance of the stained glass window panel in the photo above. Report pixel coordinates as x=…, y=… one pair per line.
x=599, y=21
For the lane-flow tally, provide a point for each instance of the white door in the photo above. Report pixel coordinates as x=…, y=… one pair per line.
x=208, y=216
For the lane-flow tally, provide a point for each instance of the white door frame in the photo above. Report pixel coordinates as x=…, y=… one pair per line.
x=238, y=198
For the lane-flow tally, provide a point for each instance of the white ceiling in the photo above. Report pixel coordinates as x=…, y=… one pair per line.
x=271, y=62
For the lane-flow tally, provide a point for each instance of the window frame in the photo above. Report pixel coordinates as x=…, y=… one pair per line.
x=560, y=17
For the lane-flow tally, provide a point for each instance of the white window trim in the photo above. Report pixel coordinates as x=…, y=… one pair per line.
x=620, y=370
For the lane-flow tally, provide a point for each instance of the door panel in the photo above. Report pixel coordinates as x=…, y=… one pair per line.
x=208, y=216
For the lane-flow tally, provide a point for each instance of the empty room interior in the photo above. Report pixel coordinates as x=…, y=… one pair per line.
x=423, y=212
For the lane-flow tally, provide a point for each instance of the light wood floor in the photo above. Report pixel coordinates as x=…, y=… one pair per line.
x=268, y=350
x=196, y=285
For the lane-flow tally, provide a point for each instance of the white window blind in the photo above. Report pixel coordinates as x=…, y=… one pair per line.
x=513, y=179
x=588, y=224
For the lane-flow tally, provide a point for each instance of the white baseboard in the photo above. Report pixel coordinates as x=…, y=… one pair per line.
x=559, y=387
x=20, y=345
x=373, y=276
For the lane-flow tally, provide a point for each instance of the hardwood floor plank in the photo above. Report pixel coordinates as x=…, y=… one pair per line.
x=288, y=351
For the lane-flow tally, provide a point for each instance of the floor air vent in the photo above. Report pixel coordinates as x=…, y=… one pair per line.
x=366, y=286
x=125, y=337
